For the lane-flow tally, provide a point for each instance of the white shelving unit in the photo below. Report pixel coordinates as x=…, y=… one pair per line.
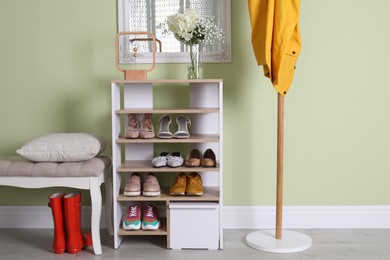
x=135, y=155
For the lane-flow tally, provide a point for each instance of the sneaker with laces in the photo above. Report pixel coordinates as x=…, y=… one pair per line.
x=147, y=129
x=133, y=217
x=150, y=219
x=133, y=186
x=179, y=185
x=194, y=185
x=132, y=130
x=151, y=186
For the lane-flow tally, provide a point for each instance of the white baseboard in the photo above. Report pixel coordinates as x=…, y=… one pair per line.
x=307, y=217
x=234, y=217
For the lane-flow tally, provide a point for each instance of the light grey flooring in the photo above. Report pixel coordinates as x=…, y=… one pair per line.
x=354, y=244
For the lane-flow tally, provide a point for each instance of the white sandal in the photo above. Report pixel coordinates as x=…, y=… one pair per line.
x=164, y=132
x=182, y=127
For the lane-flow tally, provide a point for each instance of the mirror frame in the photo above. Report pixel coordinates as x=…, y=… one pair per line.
x=224, y=55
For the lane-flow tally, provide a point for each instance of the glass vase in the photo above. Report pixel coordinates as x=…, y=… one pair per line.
x=195, y=63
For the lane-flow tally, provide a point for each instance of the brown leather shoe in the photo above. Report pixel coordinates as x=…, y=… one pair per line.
x=147, y=129
x=209, y=159
x=194, y=185
x=179, y=186
x=193, y=158
x=132, y=130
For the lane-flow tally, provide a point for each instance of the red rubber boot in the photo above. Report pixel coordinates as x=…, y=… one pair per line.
x=76, y=240
x=56, y=204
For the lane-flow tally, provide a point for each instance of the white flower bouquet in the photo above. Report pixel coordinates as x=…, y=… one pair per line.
x=190, y=28
x=193, y=30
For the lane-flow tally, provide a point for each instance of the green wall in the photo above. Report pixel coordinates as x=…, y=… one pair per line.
x=57, y=61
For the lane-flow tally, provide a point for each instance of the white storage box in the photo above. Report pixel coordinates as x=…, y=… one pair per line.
x=194, y=225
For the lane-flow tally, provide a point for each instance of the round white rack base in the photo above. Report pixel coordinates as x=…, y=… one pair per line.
x=291, y=241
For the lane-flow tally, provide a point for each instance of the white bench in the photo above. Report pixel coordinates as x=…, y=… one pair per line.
x=16, y=171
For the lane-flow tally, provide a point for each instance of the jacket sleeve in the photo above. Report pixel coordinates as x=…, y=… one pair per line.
x=286, y=44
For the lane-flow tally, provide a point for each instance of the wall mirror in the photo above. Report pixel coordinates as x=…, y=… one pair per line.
x=149, y=15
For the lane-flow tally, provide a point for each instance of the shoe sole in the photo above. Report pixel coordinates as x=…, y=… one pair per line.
x=151, y=193
x=195, y=194
x=192, y=165
x=150, y=227
x=132, y=193
x=177, y=194
x=131, y=227
x=159, y=166
x=175, y=166
x=164, y=137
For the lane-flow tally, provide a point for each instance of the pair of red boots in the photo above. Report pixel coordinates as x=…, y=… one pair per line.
x=66, y=210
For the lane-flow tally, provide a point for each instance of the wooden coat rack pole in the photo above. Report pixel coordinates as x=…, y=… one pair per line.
x=279, y=168
x=272, y=240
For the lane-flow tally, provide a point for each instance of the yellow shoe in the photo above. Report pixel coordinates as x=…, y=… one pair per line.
x=179, y=186
x=194, y=185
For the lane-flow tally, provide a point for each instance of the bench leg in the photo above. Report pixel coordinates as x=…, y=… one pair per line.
x=96, y=202
x=108, y=204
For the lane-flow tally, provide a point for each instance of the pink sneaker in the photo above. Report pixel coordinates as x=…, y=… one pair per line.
x=133, y=217
x=150, y=219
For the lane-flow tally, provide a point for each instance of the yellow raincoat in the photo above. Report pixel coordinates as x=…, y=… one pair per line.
x=276, y=40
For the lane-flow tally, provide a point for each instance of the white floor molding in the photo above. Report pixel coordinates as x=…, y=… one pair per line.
x=234, y=217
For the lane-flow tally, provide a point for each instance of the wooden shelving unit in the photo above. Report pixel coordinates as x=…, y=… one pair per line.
x=162, y=231
x=194, y=110
x=145, y=166
x=135, y=155
x=210, y=194
x=196, y=138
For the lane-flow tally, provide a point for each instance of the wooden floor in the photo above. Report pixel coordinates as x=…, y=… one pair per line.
x=357, y=244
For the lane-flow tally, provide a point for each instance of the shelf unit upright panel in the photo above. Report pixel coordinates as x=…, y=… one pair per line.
x=136, y=95
x=205, y=111
x=116, y=160
x=207, y=95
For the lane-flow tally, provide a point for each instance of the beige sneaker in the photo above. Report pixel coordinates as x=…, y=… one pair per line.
x=151, y=186
x=132, y=130
x=133, y=186
x=147, y=129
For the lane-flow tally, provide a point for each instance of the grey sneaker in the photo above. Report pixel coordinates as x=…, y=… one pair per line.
x=133, y=186
x=151, y=186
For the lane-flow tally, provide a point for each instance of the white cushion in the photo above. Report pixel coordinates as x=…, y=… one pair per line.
x=63, y=147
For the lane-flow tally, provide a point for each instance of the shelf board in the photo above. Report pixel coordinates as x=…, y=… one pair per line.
x=209, y=194
x=162, y=231
x=192, y=110
x=194, y=138
x=163, y=81
x=146, y=166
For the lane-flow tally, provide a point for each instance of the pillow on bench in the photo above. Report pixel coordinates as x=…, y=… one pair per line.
x=63, y=147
